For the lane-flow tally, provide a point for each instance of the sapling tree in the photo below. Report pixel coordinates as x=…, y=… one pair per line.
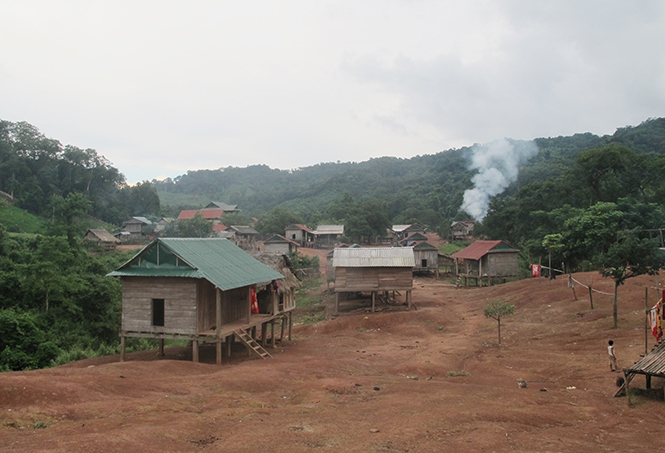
x=497, y=309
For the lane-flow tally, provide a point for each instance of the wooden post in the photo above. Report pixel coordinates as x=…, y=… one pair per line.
x=228, y=342
x=218, y=351
x=281, y=335
x=122, y=348
x=290, y=325
x=336, y=303
x=272, y=333
x=373, y=301
x=646, y=321
x=161, y=347
x=264, y=334
x=408, y=299
x=195, y=350
x=591, y=295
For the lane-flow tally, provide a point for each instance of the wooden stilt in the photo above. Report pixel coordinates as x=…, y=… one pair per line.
x=195, y=350
x=264, y=334
x=161, y=347
x=228, y=343
x=122, y=348
x=336, y=303
x=218, y=347
x=290, y=325
x=272, y=333
x=281, y=335
x=373, y=301
x=408, y=299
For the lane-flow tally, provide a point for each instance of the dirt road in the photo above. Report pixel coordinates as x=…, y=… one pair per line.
x=428, y=380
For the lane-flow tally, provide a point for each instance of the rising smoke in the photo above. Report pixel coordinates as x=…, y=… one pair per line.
x=498, y=163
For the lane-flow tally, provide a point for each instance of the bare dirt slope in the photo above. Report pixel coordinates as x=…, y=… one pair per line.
x=349, y=384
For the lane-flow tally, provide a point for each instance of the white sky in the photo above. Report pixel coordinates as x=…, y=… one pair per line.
x=161, y=87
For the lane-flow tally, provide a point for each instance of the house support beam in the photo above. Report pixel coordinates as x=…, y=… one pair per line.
x=290, y=325
x=161, y=347
x=373, y=301
x=195, y=350
x=408, y=299
x=122, y=348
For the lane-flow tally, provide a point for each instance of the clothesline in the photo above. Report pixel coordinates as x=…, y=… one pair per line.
x=594, y=290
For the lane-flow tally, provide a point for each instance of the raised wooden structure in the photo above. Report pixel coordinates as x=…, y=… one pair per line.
x=486, y=261
x=200, y=290
x=652, y=364
x=373, y=270
x=426, y=258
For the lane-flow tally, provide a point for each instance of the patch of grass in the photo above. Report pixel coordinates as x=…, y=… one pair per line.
x=452, y=247
x=16, y=220
x=457, y=373
x=440, y=328
x=311, y=318
x=41, y=424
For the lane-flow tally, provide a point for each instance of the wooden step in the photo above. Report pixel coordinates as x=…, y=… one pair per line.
x=244, y=338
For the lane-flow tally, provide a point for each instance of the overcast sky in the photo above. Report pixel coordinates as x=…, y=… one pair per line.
x=162, y=87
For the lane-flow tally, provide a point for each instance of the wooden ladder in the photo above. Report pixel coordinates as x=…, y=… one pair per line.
x=459, y=280
x=244, y=337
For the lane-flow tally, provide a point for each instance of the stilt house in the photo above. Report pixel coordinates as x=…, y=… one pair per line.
x=487, y=260
x=426, y=258
x=200, y=290
x=373, y=270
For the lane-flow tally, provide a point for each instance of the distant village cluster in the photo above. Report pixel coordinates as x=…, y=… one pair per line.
x=236, y=286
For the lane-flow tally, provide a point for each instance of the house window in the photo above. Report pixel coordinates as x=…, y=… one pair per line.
x=423, y=263
x=158, y=312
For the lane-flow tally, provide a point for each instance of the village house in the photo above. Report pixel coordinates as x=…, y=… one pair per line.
x=243, y=236
x=213, y=215
x=102, y=237
x=137, y=229
x=426, y=258
x=400, y=232
x=327, y=235
x=462, y=230
x=202, y=290
x=413, y=239
x=280, y=244
x=299, y=233
x=486, y=260
x=227, y=208
x=379, y=271
x=162, y=224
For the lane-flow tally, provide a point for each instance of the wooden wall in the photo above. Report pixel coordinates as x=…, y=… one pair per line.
x=235, y=304
x=179, y=296
x=501, y=264
x=373, y=278
x=432, y=257
x=277, y=247
x=206, y=300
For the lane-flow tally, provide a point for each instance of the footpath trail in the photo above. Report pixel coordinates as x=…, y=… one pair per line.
x=433, y=379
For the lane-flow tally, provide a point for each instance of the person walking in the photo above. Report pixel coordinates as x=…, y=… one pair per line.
x=612, y=356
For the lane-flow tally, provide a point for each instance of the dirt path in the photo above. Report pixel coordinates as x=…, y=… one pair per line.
x=433, y=379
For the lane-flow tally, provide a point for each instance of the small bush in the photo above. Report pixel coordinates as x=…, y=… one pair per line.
x=457, y=373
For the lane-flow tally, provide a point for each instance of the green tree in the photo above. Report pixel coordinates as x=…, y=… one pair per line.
x=497, y=309
x=276, y=221
x=628, y=257
x=198, y=227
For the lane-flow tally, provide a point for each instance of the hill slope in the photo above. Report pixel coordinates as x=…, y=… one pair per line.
x=341, y=380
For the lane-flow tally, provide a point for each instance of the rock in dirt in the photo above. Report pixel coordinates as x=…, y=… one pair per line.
x=374, y=430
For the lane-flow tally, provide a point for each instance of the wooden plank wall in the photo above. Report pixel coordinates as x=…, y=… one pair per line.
x=502, y=264
x=432, y=257
x=373, y=278
x=206, y=300
x=235, y=303
x=179, y=296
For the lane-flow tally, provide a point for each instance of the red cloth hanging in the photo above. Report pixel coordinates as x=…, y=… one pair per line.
x=254, y=301
x=535, y=270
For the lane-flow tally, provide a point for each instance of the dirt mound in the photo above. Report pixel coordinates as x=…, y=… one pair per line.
x=433, y=379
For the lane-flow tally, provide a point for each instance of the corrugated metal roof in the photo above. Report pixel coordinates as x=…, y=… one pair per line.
x=652, y=364
x=207, y=214
x=243, y=229
x=329, y=229
x=481, y=248
x=374, y=257
x=217, y=260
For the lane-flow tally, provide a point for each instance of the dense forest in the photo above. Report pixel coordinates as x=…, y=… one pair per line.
x=584, y=201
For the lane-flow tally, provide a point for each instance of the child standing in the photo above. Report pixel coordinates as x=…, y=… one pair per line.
x=613, y=357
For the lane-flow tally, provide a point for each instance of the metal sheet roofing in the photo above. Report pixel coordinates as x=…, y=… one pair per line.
x=329, y=229
x=217, y=260
x=207, y=214
x=481, y=248
x=374, y=257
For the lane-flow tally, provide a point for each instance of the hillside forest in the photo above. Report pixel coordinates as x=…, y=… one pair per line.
x=586, y=202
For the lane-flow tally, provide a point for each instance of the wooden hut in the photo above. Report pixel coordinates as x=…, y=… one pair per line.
x=102, y=237
x=198, y=290
x=486, y=260
x=652, y=364
x=426, y=258
x=327, y=235
x=279, y=244
x=373, y=270
x=299, y=233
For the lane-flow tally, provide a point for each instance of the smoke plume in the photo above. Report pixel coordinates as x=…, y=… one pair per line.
x=498, y=163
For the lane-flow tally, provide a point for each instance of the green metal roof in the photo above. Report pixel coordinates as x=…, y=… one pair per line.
x=217, y=260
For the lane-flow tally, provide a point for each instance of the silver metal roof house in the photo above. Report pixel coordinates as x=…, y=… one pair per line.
x=375, y=270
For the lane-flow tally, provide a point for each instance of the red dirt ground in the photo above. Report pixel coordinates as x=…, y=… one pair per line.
x=348, y=384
